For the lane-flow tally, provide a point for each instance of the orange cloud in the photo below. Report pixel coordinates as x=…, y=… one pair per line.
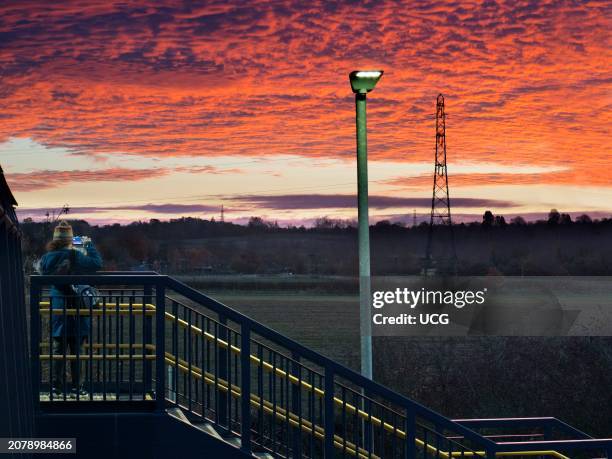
x=488, y=179
x=29, y=181
x=42, y=179
x=524, y=82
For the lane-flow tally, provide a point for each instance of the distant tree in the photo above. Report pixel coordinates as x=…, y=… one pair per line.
x=500, y=221
x=257, y=223
x=324, y=223
x=554, y=217
x=565, y=219
x=245, y=263
x=488, y=219
x=584, y=218
x=136, y=246
x=518, y=221
x=383, y=224
x=332, y=223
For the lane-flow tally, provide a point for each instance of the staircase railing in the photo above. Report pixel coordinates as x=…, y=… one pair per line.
x=153, y=335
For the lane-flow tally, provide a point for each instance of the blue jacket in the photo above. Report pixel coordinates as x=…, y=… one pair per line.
x=83, y=264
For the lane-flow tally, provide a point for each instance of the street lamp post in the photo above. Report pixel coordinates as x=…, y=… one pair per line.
x=362, y=82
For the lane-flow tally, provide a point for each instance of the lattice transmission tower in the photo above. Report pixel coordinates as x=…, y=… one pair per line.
x=440, y=200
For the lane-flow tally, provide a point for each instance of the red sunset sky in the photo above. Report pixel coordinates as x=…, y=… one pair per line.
x=161, y=109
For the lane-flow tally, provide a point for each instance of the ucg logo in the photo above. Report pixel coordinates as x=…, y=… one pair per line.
x=434, y=319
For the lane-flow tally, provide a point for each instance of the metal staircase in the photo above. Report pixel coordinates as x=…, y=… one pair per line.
x=156, y=344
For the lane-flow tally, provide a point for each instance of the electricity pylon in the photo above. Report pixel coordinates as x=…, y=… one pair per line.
x=440, y=200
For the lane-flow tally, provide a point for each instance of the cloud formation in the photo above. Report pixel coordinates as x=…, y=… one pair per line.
x=258, y=204
x=496, y=178
x=523, y=80
x=44, y=179
x=347, y=201
x=41, y=179
x=163, y=209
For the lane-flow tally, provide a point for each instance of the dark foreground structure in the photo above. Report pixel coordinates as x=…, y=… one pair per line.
x=170, y=372
x=16, y=403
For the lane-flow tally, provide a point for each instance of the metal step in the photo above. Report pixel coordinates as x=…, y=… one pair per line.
x=234, y=441
x=177, y=413
x=209, y=429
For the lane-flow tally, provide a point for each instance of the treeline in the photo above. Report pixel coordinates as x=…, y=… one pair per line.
x=553, y=246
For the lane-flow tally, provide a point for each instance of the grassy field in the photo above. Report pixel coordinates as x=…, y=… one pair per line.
x=326, y=323
x=320, y=312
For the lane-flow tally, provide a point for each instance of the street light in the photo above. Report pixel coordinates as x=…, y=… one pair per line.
x=362, y=82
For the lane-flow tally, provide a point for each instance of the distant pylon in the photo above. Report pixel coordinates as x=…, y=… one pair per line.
x=414, y=220
x=222, y=214
x=440, y=200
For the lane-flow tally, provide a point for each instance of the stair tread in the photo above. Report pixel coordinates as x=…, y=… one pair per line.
x=236, y=441
x=178, y=414
x=208, y=428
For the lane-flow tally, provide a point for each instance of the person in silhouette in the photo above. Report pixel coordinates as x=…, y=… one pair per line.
x=67, y=332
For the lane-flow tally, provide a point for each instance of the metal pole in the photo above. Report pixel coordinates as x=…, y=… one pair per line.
x=160, y=346
x=245, y=387
x=329, y=417
x=364, y=238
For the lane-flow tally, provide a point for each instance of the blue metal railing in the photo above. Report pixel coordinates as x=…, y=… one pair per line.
x=121, y=322
x=250, y=381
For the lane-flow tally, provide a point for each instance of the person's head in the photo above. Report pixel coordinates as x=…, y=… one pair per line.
x=62, y=237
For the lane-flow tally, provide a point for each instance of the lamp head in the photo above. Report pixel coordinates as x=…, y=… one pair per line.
x=363, y=81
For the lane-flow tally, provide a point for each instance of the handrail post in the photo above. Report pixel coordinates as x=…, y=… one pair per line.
x=296, y=404
x=439, y=430
x=410, y=429
x=491, y=453
x=160, y=347
x=329, y=418
x=222, y=371
x=245, y=383
x=147, y=337
x=367, y=423
x=35, y=342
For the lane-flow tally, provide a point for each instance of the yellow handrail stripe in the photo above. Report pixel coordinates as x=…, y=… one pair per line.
x=150, y=347
x=85, y=356
x=98, y=312
x=110, y=303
